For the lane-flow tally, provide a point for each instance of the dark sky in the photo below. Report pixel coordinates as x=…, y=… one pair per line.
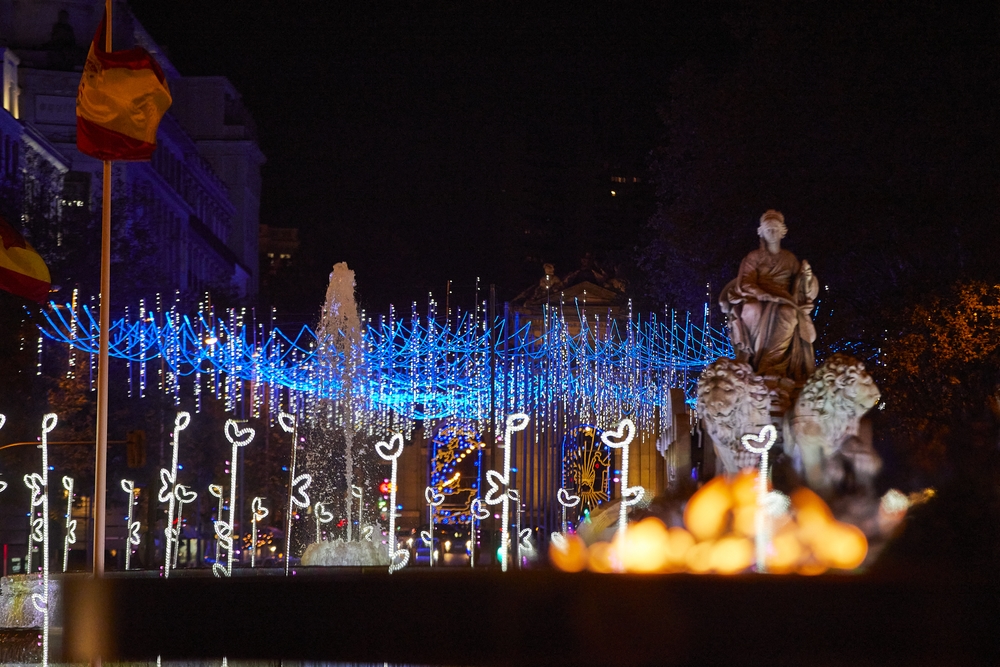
x=445, y=140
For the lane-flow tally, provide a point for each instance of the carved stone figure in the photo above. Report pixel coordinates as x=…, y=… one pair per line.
x=825, y=421
x=769, y=304
x=732, y=401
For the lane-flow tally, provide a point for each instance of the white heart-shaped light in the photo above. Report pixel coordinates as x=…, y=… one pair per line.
x=259, y=511
x=36, y=529
x=167, y=481
x=223, y=531
x=299, y=485
x=34, y=482
x=355, y=491
x=621, y=435
x=525, y=536
x=3, y=485
x=3, y=419
x=495, y=480
x=566, y=499
x=514, y=495
x=425, y=537
x=517, y=422
x=477, y=509
x=322, y=514
x=182, y=420
x=399, y=560
x=559, y=542
x=38, y=601
x=240, y=437
x=184, y=495
x=128, y=486
x=432, y=497
x=49, y=422
x=767, y=436
x=172, y=534
x=286, y=421
x=71, y=532
x=133, y=533
x=776, y=503
x=392, y=449
x=67, y=483
x=632, y=495
x=215, y=490
x=219, y=570
x=367, y=532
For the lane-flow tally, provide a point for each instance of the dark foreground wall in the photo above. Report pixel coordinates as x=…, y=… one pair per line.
x=487, y=618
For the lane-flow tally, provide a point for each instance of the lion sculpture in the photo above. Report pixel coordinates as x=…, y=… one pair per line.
x=824, y=423
x=732, y=401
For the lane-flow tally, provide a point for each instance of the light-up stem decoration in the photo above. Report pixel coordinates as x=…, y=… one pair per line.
x=132, y=527
x=217, y=491
x=515, y=422
x=476, y=512
x=566, y=500
x=390, y=451
x=225, y=530
x=322, y=516
x=3, y=484
x=259, y=514
x=39, y=485
x=70, y=537
x=184, y=497
x=434, y=499
x=356, y=492
x=619, y=438
x=168, y=479
x=299, y=484
x=515, y=497
x=762, y=539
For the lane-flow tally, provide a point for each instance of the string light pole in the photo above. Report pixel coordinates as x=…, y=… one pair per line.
x=70, y=537
x=390, y=451
x=168, y=482
x=515, y=422
x=225, y=530
x=476, y=513
x=620, y=438
x=434, y=500
x=762, y=539
x=132, y=527
x=259, y=514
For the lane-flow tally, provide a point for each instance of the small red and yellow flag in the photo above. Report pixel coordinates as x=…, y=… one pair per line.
x=22, y=270
x=122, y=97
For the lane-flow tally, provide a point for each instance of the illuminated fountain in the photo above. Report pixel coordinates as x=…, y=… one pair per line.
x=337, y=417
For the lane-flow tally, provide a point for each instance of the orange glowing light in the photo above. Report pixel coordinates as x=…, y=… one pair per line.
x=646, y=547
x=731, y=554
x=706, y=513
x=572, y=557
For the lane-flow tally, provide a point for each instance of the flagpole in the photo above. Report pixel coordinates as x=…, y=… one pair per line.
x=101, y=463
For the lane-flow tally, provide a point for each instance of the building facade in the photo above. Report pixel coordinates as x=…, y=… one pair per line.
x=199, y=196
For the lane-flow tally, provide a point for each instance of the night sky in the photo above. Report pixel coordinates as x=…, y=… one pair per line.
x=444, y=140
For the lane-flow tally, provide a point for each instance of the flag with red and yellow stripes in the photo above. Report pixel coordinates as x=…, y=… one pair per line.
x=22, y=270
x=122, y=97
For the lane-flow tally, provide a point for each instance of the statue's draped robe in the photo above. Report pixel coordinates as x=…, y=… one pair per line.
x=775, y=337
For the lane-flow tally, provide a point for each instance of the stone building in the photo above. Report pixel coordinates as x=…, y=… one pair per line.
x=201, y=191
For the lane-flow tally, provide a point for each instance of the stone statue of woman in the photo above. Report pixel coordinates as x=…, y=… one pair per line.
x=769, y=305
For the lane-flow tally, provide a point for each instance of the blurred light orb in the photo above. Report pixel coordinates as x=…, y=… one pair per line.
x=707, y=511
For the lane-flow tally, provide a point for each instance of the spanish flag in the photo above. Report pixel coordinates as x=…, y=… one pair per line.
x=22, y=270
x=122, y=97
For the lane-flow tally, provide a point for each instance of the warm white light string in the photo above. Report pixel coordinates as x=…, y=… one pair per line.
x=390, y=451
x=322, y=516
x=168, y=480
x=356, y=492
x=184, y=497
x=39, y=485
x=434, y=499
x=289, y=424
x=132, y=527
x=476, y=512
x=218, y=492
x=70, y=537
x=259, y=514
x=762, y=537
x=620, y=438
x=566, y=500
x=515, y=422
x=225, y=530
x=3, y=484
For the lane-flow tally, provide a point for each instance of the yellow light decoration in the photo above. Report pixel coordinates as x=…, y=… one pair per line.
x=731, y=554
x=707, y=510
x=571, y=555
x=646, y=547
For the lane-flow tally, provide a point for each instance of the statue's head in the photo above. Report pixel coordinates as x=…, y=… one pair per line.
x=772, y=226
x=550, y=269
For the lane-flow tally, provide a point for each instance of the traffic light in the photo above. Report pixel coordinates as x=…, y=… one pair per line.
x=136, y=452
